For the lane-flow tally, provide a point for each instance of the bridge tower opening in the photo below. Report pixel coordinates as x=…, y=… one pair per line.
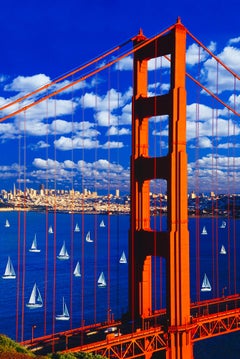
x=144, y=242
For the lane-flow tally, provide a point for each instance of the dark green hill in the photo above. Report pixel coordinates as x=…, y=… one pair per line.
x=9, y=349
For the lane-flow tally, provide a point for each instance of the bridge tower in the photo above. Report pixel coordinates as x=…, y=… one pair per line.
x=173, y=244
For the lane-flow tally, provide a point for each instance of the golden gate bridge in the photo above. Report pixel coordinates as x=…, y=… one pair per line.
x=154, y=166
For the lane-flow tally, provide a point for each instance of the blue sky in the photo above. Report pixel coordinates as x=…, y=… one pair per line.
x=83, y=137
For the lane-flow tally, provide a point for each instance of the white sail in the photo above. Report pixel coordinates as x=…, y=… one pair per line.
x=65, y=314
x=34, y=247
x=88, y=237
x=223, y=225
x=50, y=230
x=9, y=270
x=77, y=229
x=223, y=250
x=77, y=272
x=101, y=280
x=7, y=224
x=204, y=230
x=123, y=258
x=206, y=286
x=35, y=300
x=63, y=254
x=102, y=224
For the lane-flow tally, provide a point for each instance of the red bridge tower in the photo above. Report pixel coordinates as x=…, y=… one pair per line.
x=173, y=244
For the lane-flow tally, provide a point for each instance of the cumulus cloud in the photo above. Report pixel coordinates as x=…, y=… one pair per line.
x=25, y=84
x=66, y=143
x=8, y=130
x=125, y=64
x=196, y=54
x=115, y=131
x=38, y=145
x=46, y=164
x=98, y=173
x=214, y=171
x=112, y=144
x=235, y=40
x=216, y=77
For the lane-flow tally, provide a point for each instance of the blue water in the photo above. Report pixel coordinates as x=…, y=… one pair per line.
x=86, y=302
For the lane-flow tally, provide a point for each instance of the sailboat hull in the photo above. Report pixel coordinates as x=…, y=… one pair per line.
x=33, y=306
x=35, y=250
x=62, y=317
x=9, y=276
x=63, y=257
x=206, y=289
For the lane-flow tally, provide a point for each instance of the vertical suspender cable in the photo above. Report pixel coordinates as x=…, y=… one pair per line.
x=19, y=257
x=216, y=194
x=212, y=209
x=109, y=226
x=228, y=209
x=160, y=201
x=83, y=226
x=96, y=262
x=118, y=224
x=46, y=234
x=54, y=234
x=234, y=196
x=24, y=231
x=72, y=211
x=197, y=230
x=155, y=190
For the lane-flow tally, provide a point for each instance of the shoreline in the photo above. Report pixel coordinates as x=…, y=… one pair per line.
x=104, y=213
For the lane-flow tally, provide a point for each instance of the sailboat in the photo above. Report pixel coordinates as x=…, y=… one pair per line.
x=34, y=247
x=35, y=300
x=50, y=230
x=101, y=281
x=77, y=272
x=204, y=230
x=123, y=258
x=223, y=225
x=102, y=224
x=77, y=229
x=223, y=250
x=206, y=286
x=65, y=314
x=9, y=270
x=7, y=224
x=88, y=237
x=63, y=254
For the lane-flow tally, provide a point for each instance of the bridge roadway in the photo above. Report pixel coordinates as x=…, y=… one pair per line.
x=130, y=340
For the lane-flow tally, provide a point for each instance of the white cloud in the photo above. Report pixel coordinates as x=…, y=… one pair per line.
x=8, y=130
x=69, y=164
x=216, y=78
x=125, y=64
x=97, y=174
x=158, y=63
x=105, y=118
x=46, y=164
x=218, y=173
x=38, y=145
x=115, y=131
x=235, y=40
x=112, y=144
x=204, y=142
x=66, y=143
x=196, y=54
x=25, y=84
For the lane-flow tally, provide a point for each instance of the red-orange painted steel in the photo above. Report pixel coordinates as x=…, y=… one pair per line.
x=176, y=248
